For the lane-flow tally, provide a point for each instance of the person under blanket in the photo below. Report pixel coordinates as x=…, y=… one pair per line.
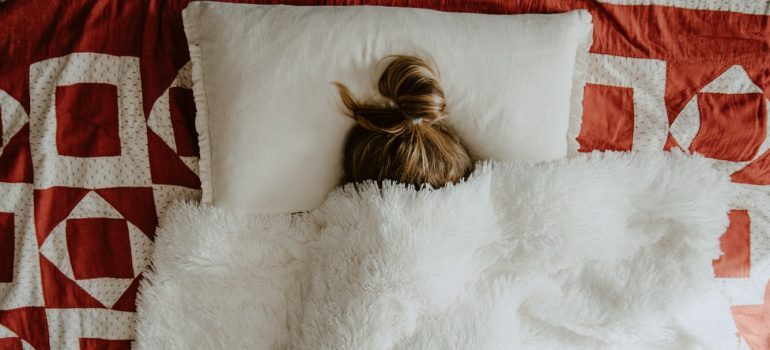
x=403, y=137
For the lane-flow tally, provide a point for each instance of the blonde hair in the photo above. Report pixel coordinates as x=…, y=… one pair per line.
x=403, y=138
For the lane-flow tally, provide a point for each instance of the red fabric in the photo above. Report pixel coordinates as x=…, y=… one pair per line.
x=16, y=160
x=60, y=291
x=736, y=138
x=684, y=80
x=104, y=344
x=52, y=205
x=87, y=122
x=182, y=106
x=127, y=301
x=695, y=47
x=166, y=167
x=756, y=173
x=607, y=126
x=681, y=35
x=7, y=246
x=133, y=204
x=10, y=344
x=102, y=238
x=736, y=247
x=29, y=324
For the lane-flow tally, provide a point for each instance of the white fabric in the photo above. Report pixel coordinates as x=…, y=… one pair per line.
x=270, y=125
x=596, y=252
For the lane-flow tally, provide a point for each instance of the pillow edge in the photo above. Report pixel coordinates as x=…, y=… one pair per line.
x=191, y=18
x=579, y=80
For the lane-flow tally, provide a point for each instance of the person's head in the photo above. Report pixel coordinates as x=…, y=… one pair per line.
x=403, y=138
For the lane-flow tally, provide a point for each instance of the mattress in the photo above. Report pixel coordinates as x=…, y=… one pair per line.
x=97, y=138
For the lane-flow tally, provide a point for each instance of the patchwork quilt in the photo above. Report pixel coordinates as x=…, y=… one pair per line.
x=97, y=137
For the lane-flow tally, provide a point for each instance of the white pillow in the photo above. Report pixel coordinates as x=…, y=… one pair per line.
x=270, y=128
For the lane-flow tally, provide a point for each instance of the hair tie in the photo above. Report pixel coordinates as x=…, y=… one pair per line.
x=417, y=121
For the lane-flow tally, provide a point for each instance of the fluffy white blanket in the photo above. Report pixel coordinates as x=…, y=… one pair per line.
x=602, y=251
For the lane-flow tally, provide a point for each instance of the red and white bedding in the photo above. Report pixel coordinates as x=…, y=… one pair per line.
x=96, y=118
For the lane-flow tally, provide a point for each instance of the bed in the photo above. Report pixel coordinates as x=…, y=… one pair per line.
x=81, y=196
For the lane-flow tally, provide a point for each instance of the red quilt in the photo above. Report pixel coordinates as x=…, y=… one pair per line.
x=97, y=136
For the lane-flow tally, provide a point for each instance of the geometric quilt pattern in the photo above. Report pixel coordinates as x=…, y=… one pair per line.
x=97, y=137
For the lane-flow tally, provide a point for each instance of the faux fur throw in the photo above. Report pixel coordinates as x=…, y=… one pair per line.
x=596, y=252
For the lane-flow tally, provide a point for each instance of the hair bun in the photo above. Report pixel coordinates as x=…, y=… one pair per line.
x=415, y=89
x=414, y=94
